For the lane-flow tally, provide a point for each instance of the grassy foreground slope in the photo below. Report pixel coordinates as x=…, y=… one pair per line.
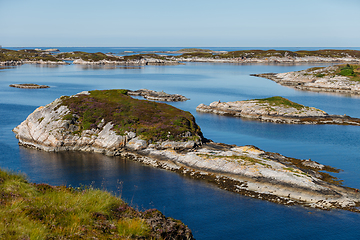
x=41, y=211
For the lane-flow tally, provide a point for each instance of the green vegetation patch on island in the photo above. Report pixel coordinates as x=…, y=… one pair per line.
x=41, y=211
x=149, y=120
x=279, y=101
x=352, y=71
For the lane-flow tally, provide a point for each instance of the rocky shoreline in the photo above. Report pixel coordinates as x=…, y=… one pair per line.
x=53, y=56
x=316, y=80
x=243, y=169
x=277, y=110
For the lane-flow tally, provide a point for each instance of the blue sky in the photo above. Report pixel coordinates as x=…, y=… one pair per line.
x=186, y=23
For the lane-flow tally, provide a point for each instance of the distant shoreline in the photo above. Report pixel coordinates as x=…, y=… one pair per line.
x=10, y=57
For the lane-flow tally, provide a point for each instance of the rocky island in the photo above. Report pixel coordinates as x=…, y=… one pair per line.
x=156, y=134
x=13, y=58
x=99, y=58
x=343, y=79
x=157, y=96
x=276, y=109
x=37, y=56
x=270, y=56
x=28, y=86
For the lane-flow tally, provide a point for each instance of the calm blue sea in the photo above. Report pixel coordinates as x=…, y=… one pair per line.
x=210, y=212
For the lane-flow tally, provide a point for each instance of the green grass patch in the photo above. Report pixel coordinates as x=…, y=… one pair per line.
x=280, y=101
x=348, y=70
x=150, y=120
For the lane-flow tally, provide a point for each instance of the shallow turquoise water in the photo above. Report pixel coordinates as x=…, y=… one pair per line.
x=210, y=212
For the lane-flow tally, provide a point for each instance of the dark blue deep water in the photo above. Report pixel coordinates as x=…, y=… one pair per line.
x=210, y=212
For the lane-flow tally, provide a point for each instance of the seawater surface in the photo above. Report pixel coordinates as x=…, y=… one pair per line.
x=210, y=212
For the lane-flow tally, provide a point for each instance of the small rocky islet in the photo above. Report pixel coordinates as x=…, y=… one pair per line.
x=28, y=86
x=276, y=109
x=342, y=79
x=113, y=123
x=157, y=96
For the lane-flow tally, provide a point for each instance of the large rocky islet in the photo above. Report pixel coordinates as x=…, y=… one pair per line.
x=174, y=141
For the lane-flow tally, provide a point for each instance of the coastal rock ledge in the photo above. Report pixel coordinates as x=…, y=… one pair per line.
x=276, y=109
x=113, y=123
